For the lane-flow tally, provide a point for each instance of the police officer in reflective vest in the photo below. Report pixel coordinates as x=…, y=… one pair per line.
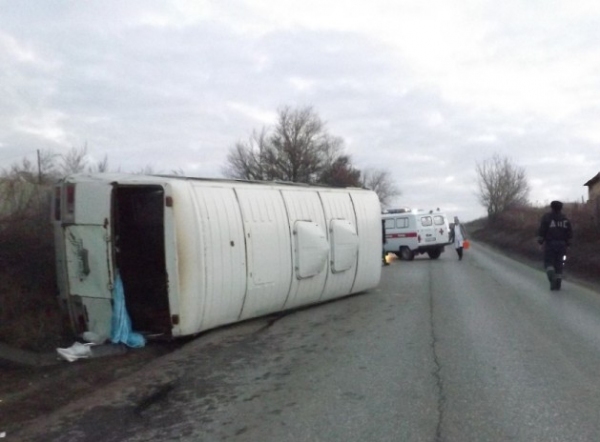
x=555, y=235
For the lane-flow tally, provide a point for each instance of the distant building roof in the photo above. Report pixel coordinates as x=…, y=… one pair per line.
x=593, y=180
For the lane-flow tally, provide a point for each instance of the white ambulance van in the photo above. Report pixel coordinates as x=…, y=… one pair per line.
x=194, y=254
x=413, y=232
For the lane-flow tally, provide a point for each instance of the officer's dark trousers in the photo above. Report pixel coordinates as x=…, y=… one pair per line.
x=553, y=256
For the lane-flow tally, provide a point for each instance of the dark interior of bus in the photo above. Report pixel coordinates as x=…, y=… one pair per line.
x=140, y=257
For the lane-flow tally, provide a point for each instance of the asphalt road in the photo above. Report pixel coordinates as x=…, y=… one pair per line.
x=476, y=350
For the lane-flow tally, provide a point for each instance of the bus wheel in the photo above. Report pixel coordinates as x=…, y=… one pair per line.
x=407, y=254
x=434, y=254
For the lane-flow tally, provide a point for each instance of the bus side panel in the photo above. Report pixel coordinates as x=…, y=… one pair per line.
x=89, y=261
x=88, y=242
x=171, y=260
x=338, y=205
x=98, y=315
x=305, y=206
x=268, y=250
x=93, y=203
x=88, y=256
x=368, y=217
x=224, y=255
x=191, y=268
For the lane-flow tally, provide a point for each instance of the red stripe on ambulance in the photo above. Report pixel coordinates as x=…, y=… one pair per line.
x=402, y=235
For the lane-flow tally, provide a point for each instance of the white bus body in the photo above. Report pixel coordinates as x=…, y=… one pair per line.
x=412, y=232
x=194, y=254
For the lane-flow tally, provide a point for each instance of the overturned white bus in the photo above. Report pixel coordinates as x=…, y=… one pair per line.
x=194, y=254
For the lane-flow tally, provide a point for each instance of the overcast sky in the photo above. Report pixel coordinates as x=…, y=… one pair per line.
x=425, y=89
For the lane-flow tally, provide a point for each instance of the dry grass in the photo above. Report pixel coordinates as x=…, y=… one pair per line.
x=30, y=315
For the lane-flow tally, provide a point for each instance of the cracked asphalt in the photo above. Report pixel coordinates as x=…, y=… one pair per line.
x=477, y=350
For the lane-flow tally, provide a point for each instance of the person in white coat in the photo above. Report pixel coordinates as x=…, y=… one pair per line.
x=458, y=237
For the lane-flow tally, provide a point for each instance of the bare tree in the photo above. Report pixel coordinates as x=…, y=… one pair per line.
x=300, y=145
x=341, y=173
x=47, y=168
x=26, y=171
x=25, y=190
x=298, y=149
x=380, y=181
x=100, y=166
x=74, y=161
x=502, y=185
x=18, y=193
x=247, y=160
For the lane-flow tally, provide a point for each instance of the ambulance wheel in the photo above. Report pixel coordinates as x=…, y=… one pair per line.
x=407, y=254
x=434, y=254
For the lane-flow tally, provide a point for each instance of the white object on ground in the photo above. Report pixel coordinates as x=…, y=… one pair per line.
x=75, y=351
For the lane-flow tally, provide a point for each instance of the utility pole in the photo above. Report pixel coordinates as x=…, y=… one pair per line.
x=39, y=167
